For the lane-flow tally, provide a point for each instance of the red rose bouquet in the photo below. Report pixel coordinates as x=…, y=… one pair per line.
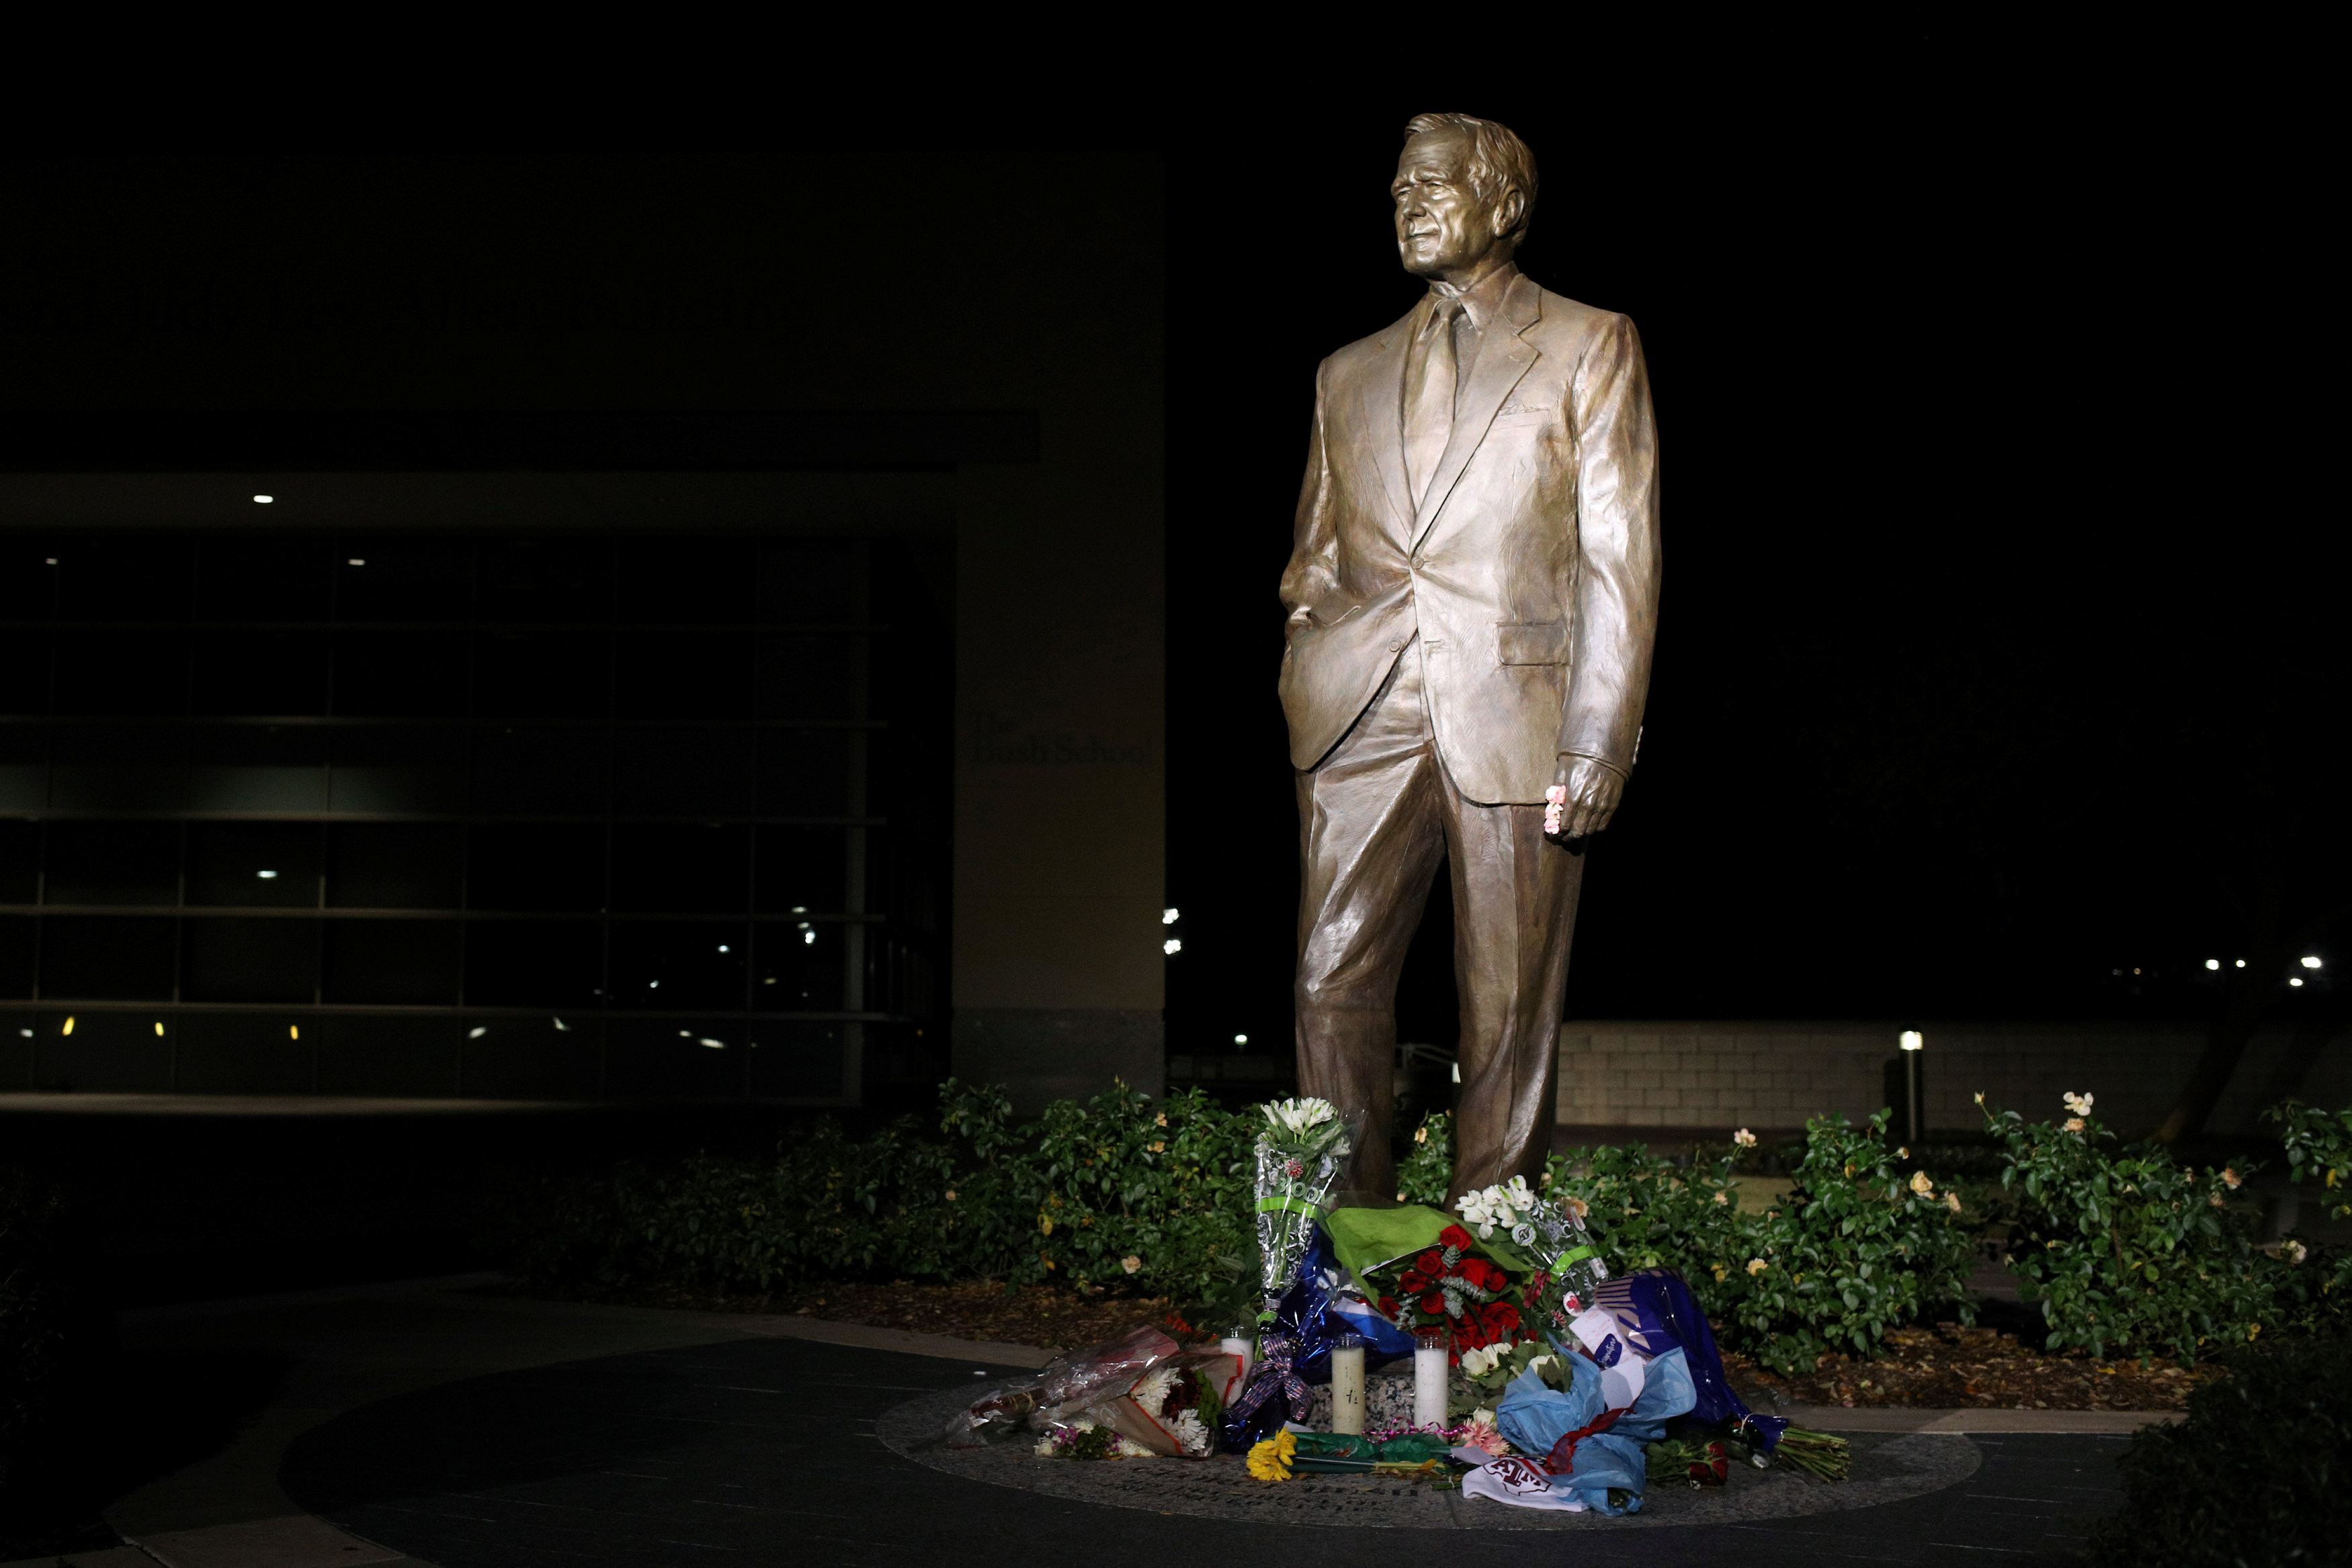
x=1449, y=1286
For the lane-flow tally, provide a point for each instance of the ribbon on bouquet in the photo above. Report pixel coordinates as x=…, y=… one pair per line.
x=1273, y=1370
x=1561, y=1461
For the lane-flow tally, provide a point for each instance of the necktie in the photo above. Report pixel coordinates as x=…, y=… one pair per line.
x=1429, y=376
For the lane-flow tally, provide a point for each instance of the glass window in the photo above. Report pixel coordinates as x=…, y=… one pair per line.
x=540, y=772
x=101, y=672
x=244, y=1053
x=683, y=674
x=263, y=579
x=106, y=1054
x=394, y=866
x=258, y=672
x=803, y=870
x=683, y=772
x=551, y=1058
x=24, y=673
x=28, y=580
x=139, y=768
x=117, y=959
x=271, y=865
x=534, y=963
x=401, y=962
x=113, y=862
x=20, y=862
x=398, y=772
x=401, y=674
x=682, y=1057
x=535, y=866
x=675, y=964
x=542, y=675
x=800, y=1060
x=257, y=767
x=24, y=766
x=19, y=933
x=797, y=966
x=812, y=677
x=681, y=869
x=804, y=772
x=546, y=581
x=248, y=960
x=378, y=1053
x=123, y=579
x=686, y=583
x=404, y=579
x=812, y=582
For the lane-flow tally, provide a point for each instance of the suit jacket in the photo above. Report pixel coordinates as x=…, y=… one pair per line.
x=1529, y=571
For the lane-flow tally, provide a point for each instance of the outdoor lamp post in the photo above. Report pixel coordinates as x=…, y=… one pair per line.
x=1914, y=1108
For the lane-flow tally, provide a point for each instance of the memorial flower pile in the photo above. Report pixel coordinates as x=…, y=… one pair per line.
x=1299, y=1157
x=1450, y=1286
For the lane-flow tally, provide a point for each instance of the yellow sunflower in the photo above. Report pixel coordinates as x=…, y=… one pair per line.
x=1270, y=1461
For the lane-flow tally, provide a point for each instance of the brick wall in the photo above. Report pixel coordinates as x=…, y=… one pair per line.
x=1773, y=1074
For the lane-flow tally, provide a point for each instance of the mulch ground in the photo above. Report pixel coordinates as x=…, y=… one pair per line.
x=1944, y=1367
x=1948, y=1368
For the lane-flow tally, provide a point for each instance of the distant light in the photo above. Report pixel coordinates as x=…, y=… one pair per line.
x=799, y=909
x=2241, y=963
x=267, y=875
x=69, y=1029
x=53, y=560
x=713, y=1044
x=356, y=560
x=478, y=1031
x=1172, y=945
x=770, y=980
x=265, y=500
x=1458, y=1072
x=1914, y=1040
x=808, y=938
x=25, y=1032
x=561, y=1026
x=2296, y=981
x=293, y=1030
x=1241, y=1040
x=722, y=946
x=2309, y=963
x=159, y=1029
x=686, y=1034
x=653, y=984
x=1166, y=917
x=2213, y=963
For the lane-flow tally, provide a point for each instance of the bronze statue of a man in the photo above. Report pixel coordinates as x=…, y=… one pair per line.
x=1473, y=596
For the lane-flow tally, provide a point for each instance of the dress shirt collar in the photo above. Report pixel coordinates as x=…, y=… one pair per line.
x=1483, y=301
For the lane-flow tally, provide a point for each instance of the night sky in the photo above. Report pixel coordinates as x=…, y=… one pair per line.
x=2002, y=648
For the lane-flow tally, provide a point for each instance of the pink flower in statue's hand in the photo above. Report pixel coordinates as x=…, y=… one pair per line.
x=1555, y=801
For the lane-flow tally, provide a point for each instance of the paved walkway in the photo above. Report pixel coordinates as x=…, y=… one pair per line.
x=230, y=1390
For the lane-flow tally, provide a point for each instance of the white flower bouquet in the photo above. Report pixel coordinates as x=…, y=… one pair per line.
x=1552, y=1235
x=1299, y=1154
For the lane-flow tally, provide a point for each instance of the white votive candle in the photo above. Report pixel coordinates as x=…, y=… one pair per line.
x=1348, y=1384
x=1429, y=1381
x=1237, y=1345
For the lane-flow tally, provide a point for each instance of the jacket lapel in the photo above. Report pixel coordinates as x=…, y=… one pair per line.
x=1504, y=357
x=1380, y=394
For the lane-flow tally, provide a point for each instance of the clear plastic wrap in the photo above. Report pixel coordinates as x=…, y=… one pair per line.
x=1066, y=1385
x=1299, y=1157
x=1550, y=1234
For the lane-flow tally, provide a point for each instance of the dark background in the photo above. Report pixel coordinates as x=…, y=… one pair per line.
x=2001, y=667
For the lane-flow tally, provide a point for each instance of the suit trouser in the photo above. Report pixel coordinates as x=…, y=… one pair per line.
x=1374, y=821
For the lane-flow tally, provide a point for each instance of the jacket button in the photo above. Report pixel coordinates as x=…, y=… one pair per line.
x=1396, y=647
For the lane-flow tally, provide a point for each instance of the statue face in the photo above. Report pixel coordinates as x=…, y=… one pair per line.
x=1443, y=228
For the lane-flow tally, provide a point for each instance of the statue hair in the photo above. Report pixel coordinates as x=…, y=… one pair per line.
x=1498, y=162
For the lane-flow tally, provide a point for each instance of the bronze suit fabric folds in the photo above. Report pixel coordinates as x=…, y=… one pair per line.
x=1445, y=653
x=1375, y=820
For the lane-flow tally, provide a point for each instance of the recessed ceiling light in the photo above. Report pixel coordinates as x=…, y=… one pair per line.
x=264, y=501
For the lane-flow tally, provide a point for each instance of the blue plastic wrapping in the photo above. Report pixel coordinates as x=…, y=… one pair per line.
x=1298, y=1345
x=1655, y=1313
x=1588, y=1448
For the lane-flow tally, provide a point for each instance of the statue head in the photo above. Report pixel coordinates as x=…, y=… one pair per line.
x=1465, y=189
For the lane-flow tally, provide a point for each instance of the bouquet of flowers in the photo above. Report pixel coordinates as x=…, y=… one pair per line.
x=1450, y=1286
x=1567, y=1262
x=1299, y=1155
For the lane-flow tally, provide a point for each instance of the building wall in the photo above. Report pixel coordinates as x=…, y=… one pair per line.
x=1774, y=1074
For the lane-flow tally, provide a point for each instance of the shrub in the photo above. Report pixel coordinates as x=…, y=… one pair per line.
x=2125, y=1250
x=1856, y=1248
x=1427, y=1169
x=2257, y=1474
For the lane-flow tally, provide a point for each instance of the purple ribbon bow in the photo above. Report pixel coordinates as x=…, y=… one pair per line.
x=1274, y=1371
